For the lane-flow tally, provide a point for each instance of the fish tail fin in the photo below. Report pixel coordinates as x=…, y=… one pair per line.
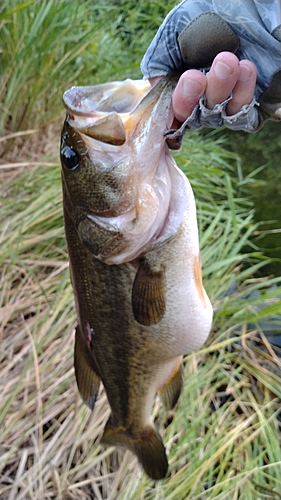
x=147, y=445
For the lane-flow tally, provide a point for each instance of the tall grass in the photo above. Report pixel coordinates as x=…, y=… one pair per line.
x=47, y=45
x=223, y=438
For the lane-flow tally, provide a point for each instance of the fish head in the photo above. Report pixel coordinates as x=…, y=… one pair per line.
x=111, y=148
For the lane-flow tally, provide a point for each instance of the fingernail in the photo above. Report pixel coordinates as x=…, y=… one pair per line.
x=222, y=70
x=191, y=88
x=245, y=73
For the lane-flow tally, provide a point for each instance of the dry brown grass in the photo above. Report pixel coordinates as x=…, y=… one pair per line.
x=223, y=439
x=46, y=432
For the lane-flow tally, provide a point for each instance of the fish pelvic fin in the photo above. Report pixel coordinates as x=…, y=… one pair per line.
x=87, y=379
x=147, y=445
x=149, y=293
x=170, y=391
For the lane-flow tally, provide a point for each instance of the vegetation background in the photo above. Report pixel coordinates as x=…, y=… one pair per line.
x=223, y=439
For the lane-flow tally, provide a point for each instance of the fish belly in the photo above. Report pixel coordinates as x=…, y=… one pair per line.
x=187, y=321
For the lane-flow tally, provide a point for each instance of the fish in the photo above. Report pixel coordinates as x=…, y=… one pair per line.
x=132, y=238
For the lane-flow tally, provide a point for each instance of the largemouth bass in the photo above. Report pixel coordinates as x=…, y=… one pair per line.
x=132, y=237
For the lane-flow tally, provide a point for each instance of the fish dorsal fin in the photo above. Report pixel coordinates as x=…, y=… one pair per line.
x=149, y=293
x=170, y=391
x=87, y=379
x=146, y=443
x=108, y=129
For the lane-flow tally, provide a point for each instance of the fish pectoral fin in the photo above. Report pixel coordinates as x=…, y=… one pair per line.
x=147, y=445
x=87, y=379
x=149, y=294
x=170, y=391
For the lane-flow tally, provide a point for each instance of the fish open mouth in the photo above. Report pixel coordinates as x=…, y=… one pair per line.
x=103, y=112
x=121, y=97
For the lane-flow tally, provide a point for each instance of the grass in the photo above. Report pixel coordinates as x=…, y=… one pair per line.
x=223, y=438
x=47, y=45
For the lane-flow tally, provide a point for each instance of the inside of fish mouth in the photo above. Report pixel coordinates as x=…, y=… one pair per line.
x=104, y=112
x=119, y=97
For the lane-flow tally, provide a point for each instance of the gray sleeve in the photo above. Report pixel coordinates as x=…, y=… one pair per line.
x=194, y=32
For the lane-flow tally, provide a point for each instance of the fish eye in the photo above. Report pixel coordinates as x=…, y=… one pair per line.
x=69, y=158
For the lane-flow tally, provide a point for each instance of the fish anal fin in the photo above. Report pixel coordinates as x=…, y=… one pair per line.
x=149, y=294
x=147, y=445
x=170, y=391
x=87, y=379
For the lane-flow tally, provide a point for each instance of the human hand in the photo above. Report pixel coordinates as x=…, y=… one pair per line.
x=227, y=76
x=193, y=37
